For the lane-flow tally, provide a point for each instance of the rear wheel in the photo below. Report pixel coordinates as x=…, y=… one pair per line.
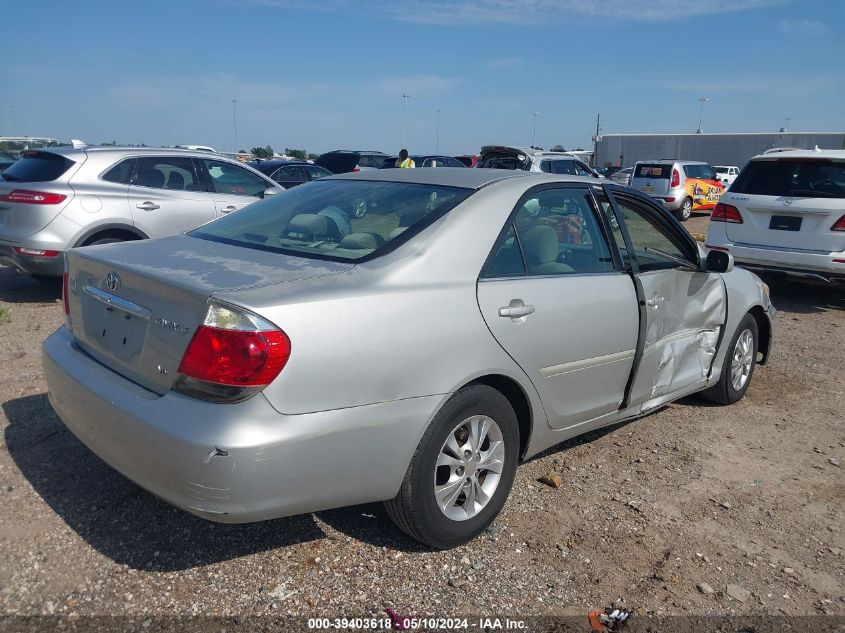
x=739, y=364
x=685, y=211
x=462, y=471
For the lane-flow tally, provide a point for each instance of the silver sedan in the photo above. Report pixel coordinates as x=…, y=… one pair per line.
x=405, y=336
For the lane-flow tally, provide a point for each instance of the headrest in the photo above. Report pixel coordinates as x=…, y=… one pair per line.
x=359, y=241
x=540, y=244
x=309, y=224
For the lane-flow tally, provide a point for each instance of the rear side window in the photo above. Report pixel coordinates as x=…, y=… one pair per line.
x=37, y=167
x=811, y=178
x=644, y=170
x=344, y=220
x=122, y=172
x=175, y=173
x=704, y=172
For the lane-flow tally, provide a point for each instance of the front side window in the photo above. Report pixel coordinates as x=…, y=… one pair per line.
x=286, y=174
x=703, y=172
x=344, y=220
x=655, y=247
x=167, y=172
x=317, y=172
x=557, y=233
x=231, y=179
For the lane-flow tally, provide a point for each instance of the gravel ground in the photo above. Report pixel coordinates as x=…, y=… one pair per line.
x=696, y=509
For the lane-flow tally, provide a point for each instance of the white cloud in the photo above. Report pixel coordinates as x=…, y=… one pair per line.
x=802, y=27
x=447, y=12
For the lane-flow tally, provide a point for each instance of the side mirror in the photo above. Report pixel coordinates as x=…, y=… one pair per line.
x=271, y=191
x=719, y=262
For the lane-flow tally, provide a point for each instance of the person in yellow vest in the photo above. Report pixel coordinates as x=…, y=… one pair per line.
x=405, y=161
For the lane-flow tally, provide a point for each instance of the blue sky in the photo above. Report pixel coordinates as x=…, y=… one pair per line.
x=330, y=73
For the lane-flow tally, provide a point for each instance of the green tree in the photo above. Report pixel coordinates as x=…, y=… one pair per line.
x=262, y=152
x=296, y=153
x=558, y=148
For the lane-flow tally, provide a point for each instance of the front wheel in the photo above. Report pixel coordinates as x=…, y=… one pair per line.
x=685, y=211
x=738, y=366
x=462, y=471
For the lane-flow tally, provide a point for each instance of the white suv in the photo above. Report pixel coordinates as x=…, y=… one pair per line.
x=726, y=174
x=785, y=212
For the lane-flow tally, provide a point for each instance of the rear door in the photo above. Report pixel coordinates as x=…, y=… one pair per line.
x=556, y=299
x=789, y=203
x=167, y=196
x=232, y=187
x=684, y=307
x=652, y=178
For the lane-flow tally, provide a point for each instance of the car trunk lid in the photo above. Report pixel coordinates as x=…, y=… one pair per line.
x=787, y=222
x=653, y=179
x=33, y=191
x=134, y=307
x=339, y=162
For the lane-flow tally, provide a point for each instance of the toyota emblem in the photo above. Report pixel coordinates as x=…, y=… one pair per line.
x=112, y=281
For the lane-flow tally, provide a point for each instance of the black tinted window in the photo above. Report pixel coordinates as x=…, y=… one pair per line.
x=122, y=172
x=562, y=167
x=653, y=171
x=37, y=167
x=366, y=161
x=810, y=178
x=175, y=173
x=704, y=172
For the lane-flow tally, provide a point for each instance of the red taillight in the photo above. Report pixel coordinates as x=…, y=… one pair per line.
x=356, y=170
x=676, y=178
x=839, y=225
x=25, y=196
x=65, y=298
x=725, y=213
x=34, y=252
x=669, y=199
x=235, y=357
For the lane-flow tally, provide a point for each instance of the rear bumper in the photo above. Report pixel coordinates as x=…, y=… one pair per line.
x=239, y=462
x=32, y=265
x=820, y=267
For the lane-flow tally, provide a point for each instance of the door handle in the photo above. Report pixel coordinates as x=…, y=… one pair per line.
x=516, y=310
x=148, y=206
x=229, y=209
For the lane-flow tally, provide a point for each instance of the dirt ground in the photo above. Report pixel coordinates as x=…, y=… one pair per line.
x=696, y=509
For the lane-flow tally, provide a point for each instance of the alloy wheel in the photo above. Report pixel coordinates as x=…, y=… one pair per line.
x=742, y=360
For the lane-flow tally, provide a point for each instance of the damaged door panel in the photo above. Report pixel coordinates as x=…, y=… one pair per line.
x=683, y=307
x=684, y=313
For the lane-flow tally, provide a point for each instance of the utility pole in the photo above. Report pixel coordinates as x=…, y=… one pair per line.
x=235, y=126
x=701, y=100
x=534, y=116
x=596, y=140
x=437, y=132
x=405, y=97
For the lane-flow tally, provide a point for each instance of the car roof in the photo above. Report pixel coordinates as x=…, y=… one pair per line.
x=837, y=154
x=467, y=178
x=672, y=161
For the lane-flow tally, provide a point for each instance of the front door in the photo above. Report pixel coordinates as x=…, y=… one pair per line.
x=685, y=307
x=560, y=306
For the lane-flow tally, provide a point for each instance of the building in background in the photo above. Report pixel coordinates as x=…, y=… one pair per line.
x=623, y=150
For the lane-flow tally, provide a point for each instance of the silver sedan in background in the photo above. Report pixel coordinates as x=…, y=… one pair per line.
x=269, y=364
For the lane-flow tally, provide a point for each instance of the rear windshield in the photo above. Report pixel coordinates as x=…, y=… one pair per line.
x=37, y=167
x=704, y=172
x=345, y=220
x=810, y=178
x=653, y=171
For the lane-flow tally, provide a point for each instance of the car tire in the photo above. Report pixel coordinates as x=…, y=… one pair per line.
x=739, y=364
x=435, y=504
x=104, y=240
x=685, y=210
